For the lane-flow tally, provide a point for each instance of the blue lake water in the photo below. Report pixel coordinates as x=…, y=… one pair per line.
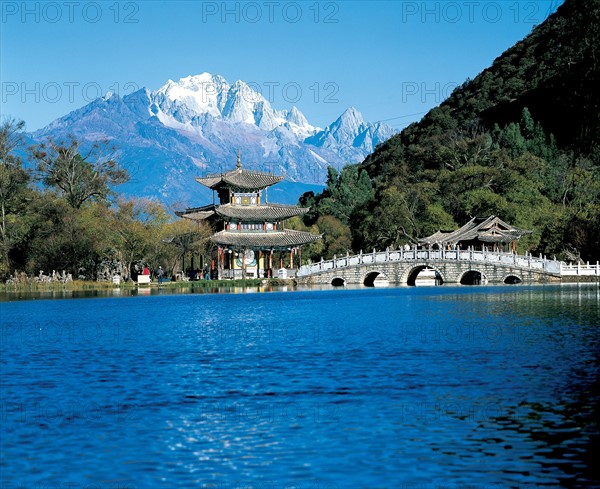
x=412, y=388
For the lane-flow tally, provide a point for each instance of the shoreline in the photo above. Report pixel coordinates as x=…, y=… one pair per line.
x=88, y=285
x=208, y=286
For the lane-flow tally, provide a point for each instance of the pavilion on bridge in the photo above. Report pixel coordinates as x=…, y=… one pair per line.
x=251, y=230
x=491, y=233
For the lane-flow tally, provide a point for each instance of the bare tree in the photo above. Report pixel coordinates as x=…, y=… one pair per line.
x=79, y=177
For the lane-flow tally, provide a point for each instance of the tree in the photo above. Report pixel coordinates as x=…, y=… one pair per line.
x=345, y=190
x=337, y=238
x=312, y=251
x=185, y=237
x=63, y=238
x=13, y=184
x=79, y=178
x=465, y=148
x=139, y=230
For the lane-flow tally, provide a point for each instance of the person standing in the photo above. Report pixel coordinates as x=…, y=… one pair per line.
x=160, y=274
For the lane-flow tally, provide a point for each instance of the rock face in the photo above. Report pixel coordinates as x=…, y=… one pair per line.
x=196, y=125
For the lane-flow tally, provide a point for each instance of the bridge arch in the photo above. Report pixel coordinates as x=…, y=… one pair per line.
x=375, y=278
x=409, y=276
x=338, y=281
x=512, y=279
x=473, y=277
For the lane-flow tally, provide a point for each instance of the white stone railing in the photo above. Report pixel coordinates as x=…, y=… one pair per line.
x=574, y=270
x=237, y=273
x=527, y=261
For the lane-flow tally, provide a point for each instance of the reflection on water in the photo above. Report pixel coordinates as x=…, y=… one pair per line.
x=411, y=388
x=20, y=295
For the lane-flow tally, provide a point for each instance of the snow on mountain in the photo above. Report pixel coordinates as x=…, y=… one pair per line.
x=198, y=95
x=201, y=93
x=350, y=136
x=195, y=126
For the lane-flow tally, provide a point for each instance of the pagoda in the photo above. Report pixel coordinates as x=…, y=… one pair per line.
x=250, y=230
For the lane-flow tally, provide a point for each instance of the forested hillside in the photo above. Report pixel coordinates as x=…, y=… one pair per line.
x=519, y=141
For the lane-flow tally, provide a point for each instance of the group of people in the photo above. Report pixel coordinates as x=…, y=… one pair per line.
x=405, y=247
x=160, y=273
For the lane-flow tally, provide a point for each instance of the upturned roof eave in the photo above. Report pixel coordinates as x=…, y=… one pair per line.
x=240, y=178
x=197, y=213
x=275, y=239
x=260, y=212
x=473, y=230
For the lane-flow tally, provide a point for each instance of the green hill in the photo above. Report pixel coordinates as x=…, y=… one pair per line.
x=553, y=72
x=519, y=141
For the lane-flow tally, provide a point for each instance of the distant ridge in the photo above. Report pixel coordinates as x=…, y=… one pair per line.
x=196, y=125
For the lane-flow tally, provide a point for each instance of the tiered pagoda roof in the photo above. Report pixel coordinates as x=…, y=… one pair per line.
x=491, y=230
x=268, y=212
x=240, y=178
x=248, y=222
x=275, y=239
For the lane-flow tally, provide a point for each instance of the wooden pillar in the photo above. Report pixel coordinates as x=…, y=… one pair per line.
x=221, y=263
x=243, y=252
x=257, y=263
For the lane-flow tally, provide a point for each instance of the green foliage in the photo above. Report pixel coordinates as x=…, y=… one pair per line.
x=180, y=238
x=515, y=171
x=337, y=238
x=13, y=191
x=70, y=226
x=400, y=216
x=59, y=238
x=345, y=190
x=520, y=141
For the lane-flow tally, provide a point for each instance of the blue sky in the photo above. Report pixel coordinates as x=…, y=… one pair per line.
x=392, y=60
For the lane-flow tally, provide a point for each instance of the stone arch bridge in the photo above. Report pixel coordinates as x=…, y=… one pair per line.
x=402, y=267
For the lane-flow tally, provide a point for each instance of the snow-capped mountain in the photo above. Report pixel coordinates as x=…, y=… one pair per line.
x=190, y=98
x=196, y=125
x=349, y=135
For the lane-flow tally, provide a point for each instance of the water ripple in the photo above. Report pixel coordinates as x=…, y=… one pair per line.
x=396, y=388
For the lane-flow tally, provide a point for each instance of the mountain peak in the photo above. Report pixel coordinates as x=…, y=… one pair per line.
x=202, y=81
x=350, y=130
x=351, y=122
x=193, y=124
x=352, y=112
x=294, y=116
x=352, y=117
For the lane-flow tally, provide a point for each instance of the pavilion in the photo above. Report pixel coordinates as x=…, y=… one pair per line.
x=250, y=230
x=489, y=232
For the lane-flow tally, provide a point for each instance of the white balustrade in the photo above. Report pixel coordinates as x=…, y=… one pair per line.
x=528, y=261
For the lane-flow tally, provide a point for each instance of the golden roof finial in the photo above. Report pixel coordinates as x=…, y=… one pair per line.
x=239, y=160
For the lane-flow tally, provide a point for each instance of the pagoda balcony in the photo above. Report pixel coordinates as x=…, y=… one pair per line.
x=237, y=274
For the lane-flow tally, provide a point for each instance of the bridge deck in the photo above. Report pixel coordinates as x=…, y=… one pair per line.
x=527, y=262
